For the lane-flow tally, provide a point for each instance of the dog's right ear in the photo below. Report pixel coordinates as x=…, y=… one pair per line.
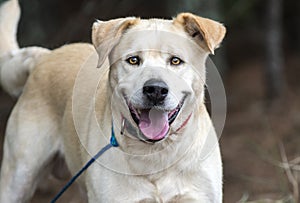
x=106, y=35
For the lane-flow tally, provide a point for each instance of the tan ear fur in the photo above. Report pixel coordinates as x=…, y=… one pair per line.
x=210, y=31
x=106, y=34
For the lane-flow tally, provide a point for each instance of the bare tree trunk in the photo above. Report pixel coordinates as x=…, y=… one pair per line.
x=274, y=53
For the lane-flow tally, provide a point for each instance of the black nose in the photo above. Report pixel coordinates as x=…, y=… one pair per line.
x=155, y=90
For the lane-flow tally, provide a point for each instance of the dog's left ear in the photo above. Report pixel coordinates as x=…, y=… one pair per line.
x=208, y=33
x=106, y=35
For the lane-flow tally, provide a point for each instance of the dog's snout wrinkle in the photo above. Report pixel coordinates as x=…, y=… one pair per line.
x=155, y=90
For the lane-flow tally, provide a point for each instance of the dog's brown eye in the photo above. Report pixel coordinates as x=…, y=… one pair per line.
x=133, y=60
x=175, y=61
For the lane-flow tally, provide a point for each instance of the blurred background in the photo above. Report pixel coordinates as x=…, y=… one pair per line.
x=259, y=61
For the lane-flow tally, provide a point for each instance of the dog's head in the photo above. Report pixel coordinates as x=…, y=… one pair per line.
x=157, y=69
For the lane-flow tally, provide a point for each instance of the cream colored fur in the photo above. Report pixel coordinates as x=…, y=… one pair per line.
x=56, y=114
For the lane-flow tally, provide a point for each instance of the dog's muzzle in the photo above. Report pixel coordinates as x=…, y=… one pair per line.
x=154, y=121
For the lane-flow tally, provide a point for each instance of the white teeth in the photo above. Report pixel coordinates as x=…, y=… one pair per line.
x=139, y=111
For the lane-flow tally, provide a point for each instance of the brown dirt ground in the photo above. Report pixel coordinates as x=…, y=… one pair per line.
x=249, y=142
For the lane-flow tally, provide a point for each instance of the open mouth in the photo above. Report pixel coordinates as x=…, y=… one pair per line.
x=154, y=123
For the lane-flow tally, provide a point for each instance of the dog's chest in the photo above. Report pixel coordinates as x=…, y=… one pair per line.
x=160, y=188
x=168, y=186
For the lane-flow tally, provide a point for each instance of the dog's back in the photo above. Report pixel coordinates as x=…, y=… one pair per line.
x=54, y=74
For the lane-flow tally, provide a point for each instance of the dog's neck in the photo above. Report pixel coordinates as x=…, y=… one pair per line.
x=147, y=158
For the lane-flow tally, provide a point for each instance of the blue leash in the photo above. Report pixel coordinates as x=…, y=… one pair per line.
x=113, y=143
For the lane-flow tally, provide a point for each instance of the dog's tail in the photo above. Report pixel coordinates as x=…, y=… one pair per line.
x=15, y=63
x=9, y=18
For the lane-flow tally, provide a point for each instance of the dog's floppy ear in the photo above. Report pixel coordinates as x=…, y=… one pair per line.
x=106, y=35
x=208, y=33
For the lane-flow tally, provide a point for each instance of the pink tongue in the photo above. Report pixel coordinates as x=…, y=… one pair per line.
x=154, y=124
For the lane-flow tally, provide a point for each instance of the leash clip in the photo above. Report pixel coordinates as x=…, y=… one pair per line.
x=122, y=126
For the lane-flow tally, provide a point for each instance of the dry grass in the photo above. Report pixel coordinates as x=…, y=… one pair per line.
x=292, y=171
